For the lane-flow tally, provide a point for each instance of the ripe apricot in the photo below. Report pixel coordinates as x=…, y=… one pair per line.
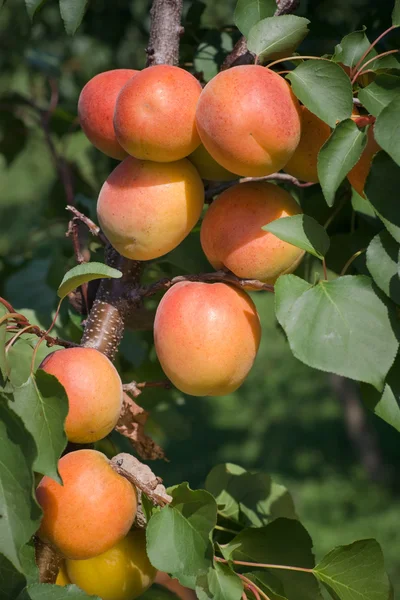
x=155, y=114
x=146, y=209
x=93, y=509
x=96, y=110
x=206, y=337
x=248, y=120
x=314, y=133
x=62, y=577
x=232, y=238
x=359, y=173
x=207, y=167
x=122, y=573
x=94, y=391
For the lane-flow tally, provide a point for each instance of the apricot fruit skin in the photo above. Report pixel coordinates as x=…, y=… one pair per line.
x=314, y=134
x=154, y=116
x=62, y=577
x=93, y=509
x=96, y=107
x=248, y=120
x=231, y=234
x=206, y=337
x=94, y=391
x=122, y=573
x=207, y=167
x=359, y=173
x=146, y=209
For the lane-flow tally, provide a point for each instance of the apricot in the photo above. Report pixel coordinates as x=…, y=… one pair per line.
x=248, y=120
x=94, y=391
x=207, y=167
x=232, y=238
x=62, y=577
x=359, y=173
x=146, y=209
x=96, y=107
x=93, y=509
x=314, y=134
x=154, y=116
x=206, y=337
x=122, y=573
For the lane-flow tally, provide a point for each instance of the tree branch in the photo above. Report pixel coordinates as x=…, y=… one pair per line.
x=218, y=189
x=165, y=32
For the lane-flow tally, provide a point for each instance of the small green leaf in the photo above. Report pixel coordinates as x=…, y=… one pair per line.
x=19, y=511
x=351, y=48
x=32, y=6
x=338, y=156
x=329, y=331
x=275, y=37
x=382, y=263
x=378, y=94
x=396, y=13
x=72, y=12
x=386, y=404
x=250, y=12
x=84, y=273
x=324, y=88
x=42, y=405
x=303, y=232
x=381, y=188
x=387, y=129
x=47, y=591
x=355, y=571
x=184, y=524
x=219, y=583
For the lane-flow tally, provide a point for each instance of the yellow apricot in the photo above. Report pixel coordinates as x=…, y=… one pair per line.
x=62, y=577
x=146, y=209
x=122, y=573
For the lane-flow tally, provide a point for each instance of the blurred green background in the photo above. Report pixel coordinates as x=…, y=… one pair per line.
x=306, y=428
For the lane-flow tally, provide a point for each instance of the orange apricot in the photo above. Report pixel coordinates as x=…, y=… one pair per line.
x=314, y=134
x=359, y=173
x=207, y=167
x=94, y=391
x=155, y=114
x=232, y=236
x=248, y=120
x=93, y=509
x=96, y=107
x=206, y=337
x=146, y=209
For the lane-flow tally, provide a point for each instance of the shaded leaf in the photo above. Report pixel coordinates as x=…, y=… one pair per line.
x=386, y=404
x=178, y=536
x=324, y=88
x=268, y=583
x=338, y=156
x=275, y=37
x=72, y=12
x=158, y=592
x=42, y=405
x=378, y=94
x=211, y=53
x=32, y=6
x=387, y=129
x=301, y=231
x=381, y=188
x=382, y=263
x=355, y=571
x=291, y=288
x=396, y=13
x=12, y=582
x=219, y=583
x=249, y=12
x=84, y=273
x=327, y=330
x=351, y=48
x=47, y=591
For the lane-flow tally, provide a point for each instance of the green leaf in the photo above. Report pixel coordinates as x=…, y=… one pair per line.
x=269, y=545
x=328, y=330
x=219, y=583
x=386, y=404
x=12, y=582
x=301, y=231
x=291, y=288
x=338, y=156
x=396, y=13
x=188, y=256
x=47, y=591
x=4, y=368
x=324, y=88
x=249, y=12
x=351, y=48
x=268, y=583
x=42, y=405
x=355, y=571
x=184, y=524
x=251, y=499
x=382, y=263
x=158, y=592
x=84, y=273
x=211, y=51
x=275, y=37
x=32, y=6
x=72, y=12
x=378, y=94
x=381, y=188
x=387, y=129
x=20, y=512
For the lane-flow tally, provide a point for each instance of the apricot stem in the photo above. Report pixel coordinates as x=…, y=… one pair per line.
x=250, y=585
x=371, y=60
x=358, y=64
x=263, y=565
x=220, y=528
x=12, y=315
x=351, y=260
x=44, y=336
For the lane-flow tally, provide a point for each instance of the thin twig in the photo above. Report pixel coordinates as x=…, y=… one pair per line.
x=264, y=565
x=135, y=388
x=371, y=60
x=93, y=228
x=368, y=50
x=351, y=260
x=213, y=191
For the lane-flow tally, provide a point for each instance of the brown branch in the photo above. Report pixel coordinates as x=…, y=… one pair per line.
x=240, y=55
x=142, y=477
x=165, y=32
x=218, y=276
x=93, y=228
x=218, y=189
x=286, y=7
x=47, y=560
x=136, y=388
